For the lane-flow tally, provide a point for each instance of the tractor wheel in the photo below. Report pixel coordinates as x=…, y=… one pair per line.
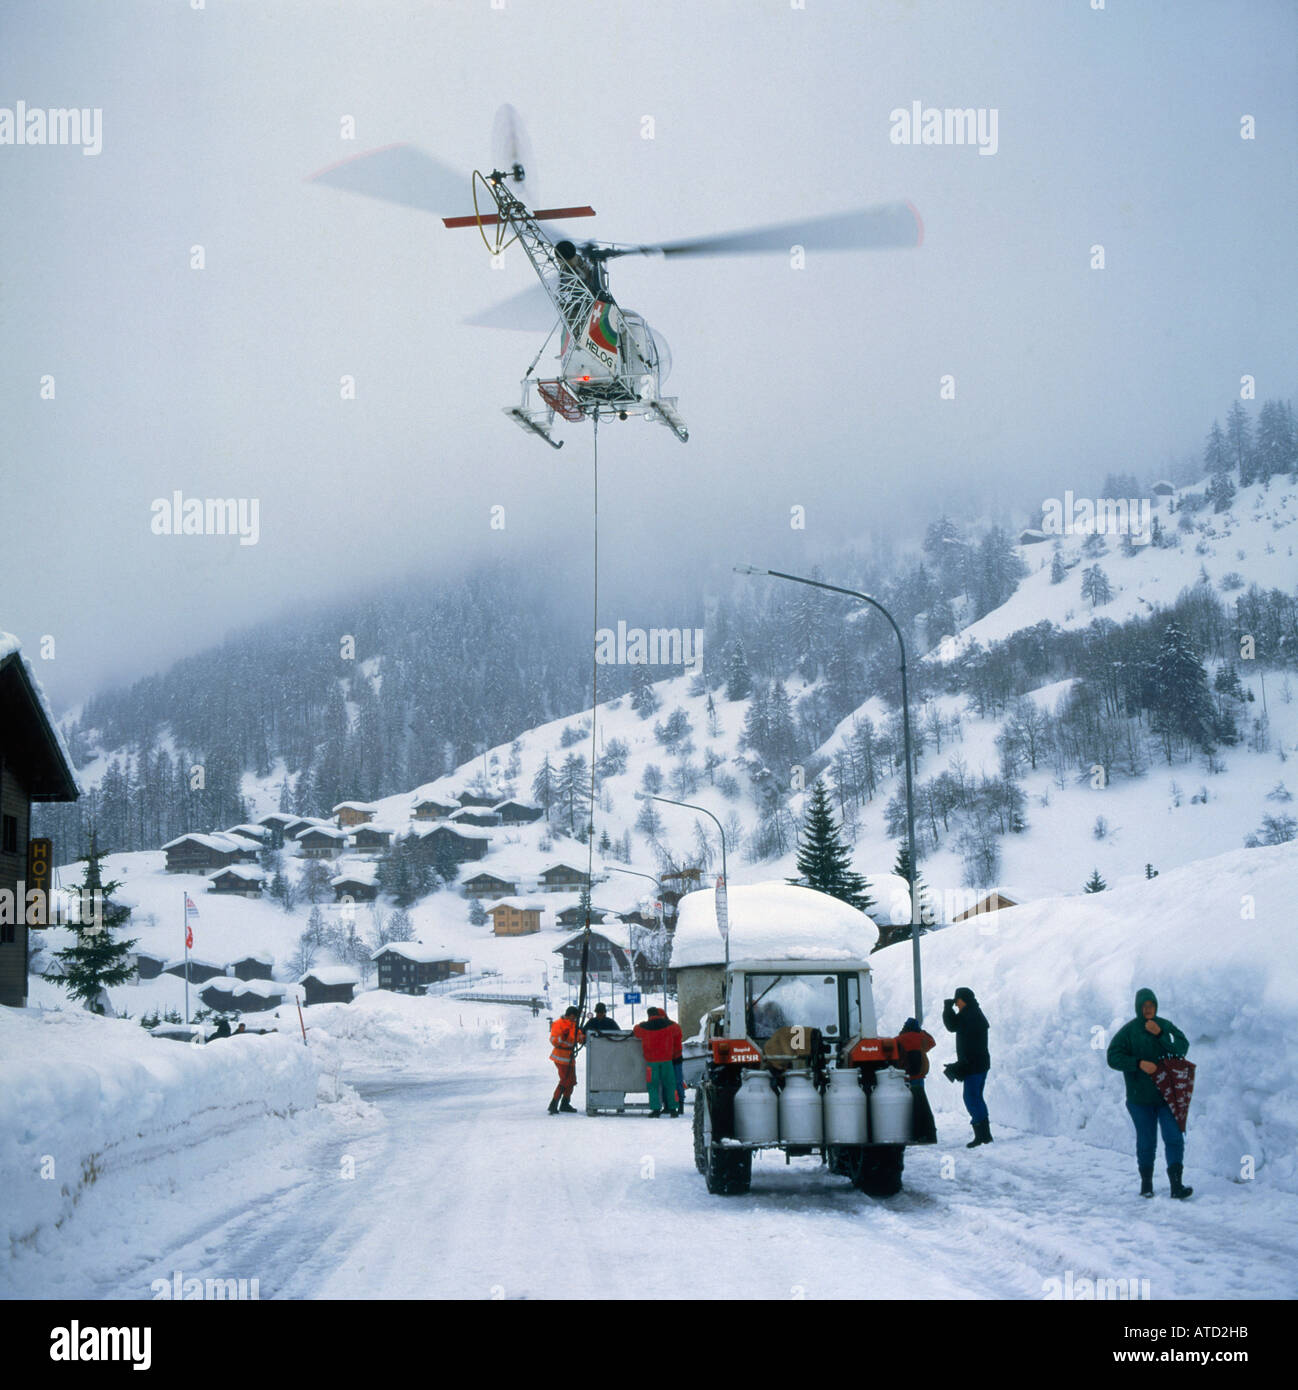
x=727, y=1172
x=839, y=1160
x=877, y=1171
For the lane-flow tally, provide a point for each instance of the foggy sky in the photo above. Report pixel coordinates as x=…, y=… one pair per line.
x=817, y=388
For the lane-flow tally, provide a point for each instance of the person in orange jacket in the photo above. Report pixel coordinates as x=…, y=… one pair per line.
x=661, y=1040
x=565, y=1038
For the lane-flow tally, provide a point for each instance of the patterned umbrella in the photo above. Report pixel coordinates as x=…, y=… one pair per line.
x=1175, y=1081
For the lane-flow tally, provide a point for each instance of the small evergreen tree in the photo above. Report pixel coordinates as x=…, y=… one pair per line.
x=824, y=861
x=1058, y=570
x=97, y=961
x=1095, y=884
x=478, y=914
x=739, y=682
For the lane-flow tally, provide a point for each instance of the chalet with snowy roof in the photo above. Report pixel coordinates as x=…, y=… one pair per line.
x=560, y=878
x=471, y=798
x=148, y=965
x=1163, y=488
x=610, y=955
x=34, y=766
x=371, y=839
x=256, y=965
x=475, y=815
x=1032, y=536
x=277, y=820
x=353, y=813
x=993, y=902
x=321, y=842
x=255, y=996
x=575, y=915
x=516, y=917
x=454, y=843
x=432, y=808
x=257, y=834
x=200, y=970
x=517, y=812
x=408, y=967
x=485, y=885
x=329, y=984
x=294, y=827
x=243, y=880
x=218, y=994
x=198, y=853
x=354, y=887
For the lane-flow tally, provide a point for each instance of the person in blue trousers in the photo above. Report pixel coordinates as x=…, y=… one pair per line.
x=962, y=1016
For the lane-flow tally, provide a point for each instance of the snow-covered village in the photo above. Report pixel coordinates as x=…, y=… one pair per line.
x=883, y=775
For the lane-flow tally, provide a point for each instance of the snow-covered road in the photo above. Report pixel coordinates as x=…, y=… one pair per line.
x=464, y=1187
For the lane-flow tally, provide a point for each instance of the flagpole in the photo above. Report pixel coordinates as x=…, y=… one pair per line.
x=184, y=917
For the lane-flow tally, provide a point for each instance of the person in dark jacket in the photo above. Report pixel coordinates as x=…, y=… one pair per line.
x=962, y=1016
x=1136, y=1050
x=661, y=1040
x=913, y=1046
x=602, y=1021
x=222, y=1029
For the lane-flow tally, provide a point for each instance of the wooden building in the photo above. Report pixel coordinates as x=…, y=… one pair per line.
x=254, y=966
x=475, y=815
x=485, y=885
x=561, y=878
x=297, y=825
x=430, y=808
x=993, y=902
x=371, y=839
x=455, y=844
x=321, y=842
x=148, y=965
x=197, y=853
x=200, y=970
x=277, y=820
x=611, y=956
x=407, y=967
x=468, y=798
x=354, y=887
x=217, y=993
x=243, y=880
x=34, y=766
x=574, y=916
x=517, y=812
x=353, y=813
x=256, y=996
x=328, y=984
x=515, y=917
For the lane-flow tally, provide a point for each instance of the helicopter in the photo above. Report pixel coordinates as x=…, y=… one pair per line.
x=610, y=362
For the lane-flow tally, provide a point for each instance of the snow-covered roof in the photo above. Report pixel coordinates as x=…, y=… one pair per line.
x=327, y=830
x=213, y=839
x=195, y=960
x=360, y=873
x=416, y=950
x=468, y=832
x=616, y=932
x=353, y=806
x=264, y=957
x=770, y=921
x=253, y=832
x=281, y=817
x=10, y=646
x=331, y=975
x=223, y=982
x=550, y=868
x=514, y=801
x=521, y=904
x=263, y=989
x=248, y=872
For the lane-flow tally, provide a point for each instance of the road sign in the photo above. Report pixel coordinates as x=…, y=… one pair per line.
x=631, y=997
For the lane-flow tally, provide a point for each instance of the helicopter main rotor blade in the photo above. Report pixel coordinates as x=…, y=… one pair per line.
x=888, y=225
x=399, y=174
x=530, y=310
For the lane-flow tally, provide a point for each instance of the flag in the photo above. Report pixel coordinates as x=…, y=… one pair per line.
x=191, y=914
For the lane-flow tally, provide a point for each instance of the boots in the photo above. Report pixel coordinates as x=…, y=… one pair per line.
x=982, y=1134
x=553, y=1106
x=1174, y=1178
x=1146, y=1182
x=566, y=1108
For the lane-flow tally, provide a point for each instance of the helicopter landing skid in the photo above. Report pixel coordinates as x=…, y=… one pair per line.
x=666, y=412
x=520, y=418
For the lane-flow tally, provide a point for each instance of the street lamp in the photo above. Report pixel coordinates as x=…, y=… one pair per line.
x=657, y=883
x=689, y=806
x=905, y=727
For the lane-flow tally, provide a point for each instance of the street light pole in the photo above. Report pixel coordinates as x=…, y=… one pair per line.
x=905, y=728
x=657, y=883
x=690, y=806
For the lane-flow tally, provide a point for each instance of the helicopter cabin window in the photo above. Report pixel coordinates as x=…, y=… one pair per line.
x=811, y=1001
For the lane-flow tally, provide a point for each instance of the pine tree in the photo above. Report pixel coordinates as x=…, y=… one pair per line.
x=918, y=888
x=1095, y=586
x=643, y=699
x=1150, y=871
x=1095, y=884
x=1239, y=442
x=824, y=860
x=1179, y=696
x=739, y=681
x=543, y=786
x=1215, y=457
x=96, y=961
x=1058, y=570
x=478, y=914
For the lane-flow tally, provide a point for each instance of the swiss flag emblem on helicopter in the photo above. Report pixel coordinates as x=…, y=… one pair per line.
x=602, y=330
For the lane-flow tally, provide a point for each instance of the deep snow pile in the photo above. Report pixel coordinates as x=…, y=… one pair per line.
x=387, y=1032
x=770, y=921
x=84, y=1096
x=1216, y=941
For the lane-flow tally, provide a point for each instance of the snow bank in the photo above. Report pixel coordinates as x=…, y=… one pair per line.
x=84, y=1096
x=770, y=921
x=388, y=1032
x=1216, y=941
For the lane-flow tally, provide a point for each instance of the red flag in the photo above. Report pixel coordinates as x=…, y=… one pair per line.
x=190, y=913
x=189, y=937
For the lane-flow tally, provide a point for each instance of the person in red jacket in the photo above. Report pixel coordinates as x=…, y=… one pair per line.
x=565, y=1038
x=661, y=1040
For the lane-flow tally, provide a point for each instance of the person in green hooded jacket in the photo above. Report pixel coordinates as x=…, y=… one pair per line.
x=1136, y=1050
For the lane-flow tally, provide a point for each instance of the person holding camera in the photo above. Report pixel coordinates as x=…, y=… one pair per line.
x=962, y=1016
